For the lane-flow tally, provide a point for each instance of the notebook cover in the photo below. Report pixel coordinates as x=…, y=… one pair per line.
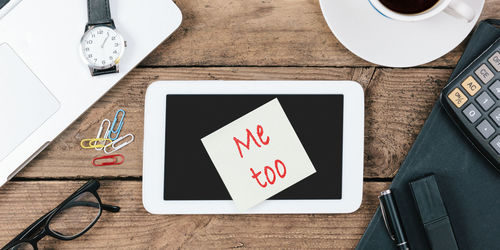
x=469, y=185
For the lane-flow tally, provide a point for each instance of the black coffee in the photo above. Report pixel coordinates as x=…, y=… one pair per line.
x=409, y=6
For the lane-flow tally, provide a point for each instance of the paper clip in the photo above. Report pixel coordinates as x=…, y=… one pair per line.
x=114, y=143
x=106, y=134
x=94, y=143
x=113, y=125
x=116, y=160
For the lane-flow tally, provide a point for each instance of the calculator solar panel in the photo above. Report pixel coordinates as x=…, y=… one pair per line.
x=472, y=99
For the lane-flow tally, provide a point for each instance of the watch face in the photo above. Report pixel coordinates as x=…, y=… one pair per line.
x=102, y=47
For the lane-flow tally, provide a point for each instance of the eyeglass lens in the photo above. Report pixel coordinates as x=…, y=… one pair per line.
x=76, y=216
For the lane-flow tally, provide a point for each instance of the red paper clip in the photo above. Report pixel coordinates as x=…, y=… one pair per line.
x=109, y=163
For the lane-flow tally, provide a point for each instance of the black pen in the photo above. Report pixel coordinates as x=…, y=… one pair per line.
x=392, y=220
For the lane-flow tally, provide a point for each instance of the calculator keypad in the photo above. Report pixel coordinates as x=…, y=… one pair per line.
x=485, y=129
x=472, y=113
x=495, y=88
x=495, y=116
x=495, y=143
x=473, y=99
x=484, y=73
x=471, y=86
x=495, y=61
x=485, y=101
x=458, y=98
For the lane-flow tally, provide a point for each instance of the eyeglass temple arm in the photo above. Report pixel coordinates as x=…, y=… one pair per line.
x=110, y=208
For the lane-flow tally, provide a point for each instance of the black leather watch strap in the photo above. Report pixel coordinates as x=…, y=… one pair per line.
x=98, y=13
x=96, y=72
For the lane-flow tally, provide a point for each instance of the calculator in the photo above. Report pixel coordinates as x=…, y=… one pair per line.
x=472, y=99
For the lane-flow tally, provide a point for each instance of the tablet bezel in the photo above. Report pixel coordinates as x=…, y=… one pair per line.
x=154, y=146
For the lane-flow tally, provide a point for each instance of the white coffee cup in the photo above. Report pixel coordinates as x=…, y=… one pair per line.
x=456, y=8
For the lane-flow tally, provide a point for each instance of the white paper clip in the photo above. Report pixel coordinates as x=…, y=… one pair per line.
x=115, y=142
x=106, y=134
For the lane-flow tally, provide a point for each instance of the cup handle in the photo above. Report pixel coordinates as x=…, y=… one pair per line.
x=460, y=9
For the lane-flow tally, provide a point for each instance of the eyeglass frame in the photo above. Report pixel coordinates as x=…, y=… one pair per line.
x=44, y=221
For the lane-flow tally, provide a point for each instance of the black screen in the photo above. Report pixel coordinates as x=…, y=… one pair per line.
x=191, y=175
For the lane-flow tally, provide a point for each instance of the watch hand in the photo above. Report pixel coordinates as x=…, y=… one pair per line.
x=102, y=46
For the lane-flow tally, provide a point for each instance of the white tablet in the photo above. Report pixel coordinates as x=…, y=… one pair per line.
x=180, y=178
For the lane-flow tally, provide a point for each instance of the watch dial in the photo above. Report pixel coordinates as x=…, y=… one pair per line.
x=102, y=47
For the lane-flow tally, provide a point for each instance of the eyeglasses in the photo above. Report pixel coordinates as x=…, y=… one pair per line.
x=68, y=221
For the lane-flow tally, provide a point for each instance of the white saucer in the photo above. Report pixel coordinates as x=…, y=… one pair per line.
x=387, y=42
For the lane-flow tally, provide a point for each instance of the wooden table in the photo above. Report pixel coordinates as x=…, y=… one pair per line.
x=231, y=40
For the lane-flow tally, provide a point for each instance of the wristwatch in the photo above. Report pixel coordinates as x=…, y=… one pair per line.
x=101, y=46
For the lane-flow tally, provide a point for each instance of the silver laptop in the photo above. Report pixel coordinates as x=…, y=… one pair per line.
x=44, y=83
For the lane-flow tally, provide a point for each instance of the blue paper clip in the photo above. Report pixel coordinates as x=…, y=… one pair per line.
x=116, y=131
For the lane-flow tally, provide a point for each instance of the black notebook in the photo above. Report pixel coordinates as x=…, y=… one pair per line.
x=469, y=185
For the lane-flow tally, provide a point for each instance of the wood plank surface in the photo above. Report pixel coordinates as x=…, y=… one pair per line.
x=231, y=40
x=397, y=104
x=264, y=33
x=133, y=228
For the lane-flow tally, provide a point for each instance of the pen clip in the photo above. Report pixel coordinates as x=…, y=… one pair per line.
x=384, y=216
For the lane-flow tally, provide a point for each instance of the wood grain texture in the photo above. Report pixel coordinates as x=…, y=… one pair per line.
x=230, y=40
x=133, y=228
x=397, y=104
x=264, y=33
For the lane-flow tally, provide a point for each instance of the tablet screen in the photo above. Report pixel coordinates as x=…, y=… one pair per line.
x=191, y=175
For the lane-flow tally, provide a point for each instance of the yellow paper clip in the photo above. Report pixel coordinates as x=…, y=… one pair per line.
x=95, y=143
